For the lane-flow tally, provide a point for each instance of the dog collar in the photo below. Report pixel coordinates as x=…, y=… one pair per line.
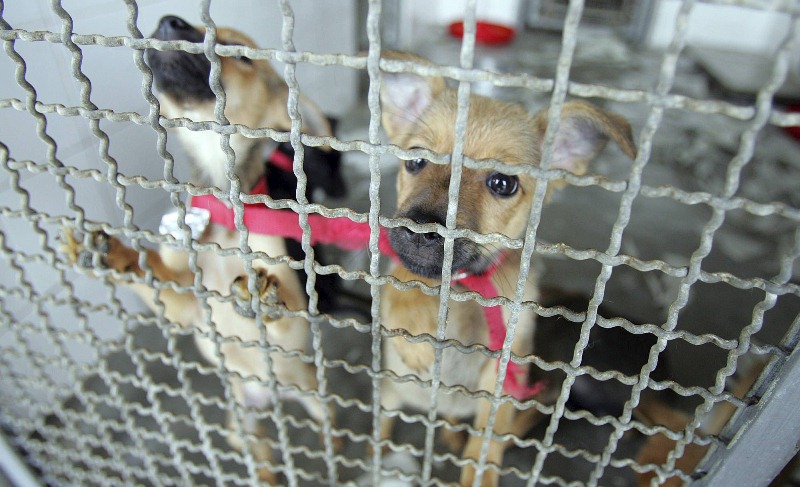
x=282, y=161
x=516, y=383
x=261, y=219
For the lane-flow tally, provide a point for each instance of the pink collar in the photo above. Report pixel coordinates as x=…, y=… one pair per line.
x=281, y=160
x=260, y=219
x=349, y=235
x=516, y=382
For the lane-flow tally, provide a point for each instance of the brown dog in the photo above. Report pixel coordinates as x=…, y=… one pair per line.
x=256, y=97
x=656, y=448
x=421, y=112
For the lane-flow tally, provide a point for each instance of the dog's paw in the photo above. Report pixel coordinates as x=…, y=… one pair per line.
x=266, y=286
x=73, y=248
x=110, y=252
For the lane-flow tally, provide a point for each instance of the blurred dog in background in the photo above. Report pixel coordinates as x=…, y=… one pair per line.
x=256, y=96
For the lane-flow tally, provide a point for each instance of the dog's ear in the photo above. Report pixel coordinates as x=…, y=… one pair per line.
x=277, y=117
x=406, y=96
x=583, y=132
x=314, y=121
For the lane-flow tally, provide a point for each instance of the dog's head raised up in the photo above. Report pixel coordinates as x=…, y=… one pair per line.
x=421, y=112
x=256, y=96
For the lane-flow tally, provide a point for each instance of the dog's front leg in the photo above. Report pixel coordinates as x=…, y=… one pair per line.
x=390, y=401
x=504, y=418
x=252, y=397
x=180, y=308
x=504, y=423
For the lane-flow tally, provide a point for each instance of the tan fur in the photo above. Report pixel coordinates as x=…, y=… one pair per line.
x=495, y=130
x=256, y=97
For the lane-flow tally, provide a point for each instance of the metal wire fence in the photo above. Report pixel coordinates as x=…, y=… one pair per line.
x=85, y=407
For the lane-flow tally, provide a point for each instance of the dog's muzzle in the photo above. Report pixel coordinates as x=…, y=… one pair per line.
x=423, y=253
x=179, y=74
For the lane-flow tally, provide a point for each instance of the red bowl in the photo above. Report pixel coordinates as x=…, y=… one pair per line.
x=795, y=130
x=485, y=32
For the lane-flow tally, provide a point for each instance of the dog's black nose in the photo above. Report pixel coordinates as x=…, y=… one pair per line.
x=423, y=216
x=431, y=238
x=174, y=23
x=173, y=28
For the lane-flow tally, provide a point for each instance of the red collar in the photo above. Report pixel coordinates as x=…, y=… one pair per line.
x=259, y=218
x=281, y=160
x=349, y=235
x=517, y=382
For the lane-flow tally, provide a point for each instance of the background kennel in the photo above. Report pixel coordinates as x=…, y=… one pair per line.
x=698, y=237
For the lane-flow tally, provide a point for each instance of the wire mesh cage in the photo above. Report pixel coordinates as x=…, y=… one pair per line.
x=664, y=285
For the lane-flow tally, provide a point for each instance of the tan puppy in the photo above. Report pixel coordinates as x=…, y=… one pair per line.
x=256, y=97
x=421, y=112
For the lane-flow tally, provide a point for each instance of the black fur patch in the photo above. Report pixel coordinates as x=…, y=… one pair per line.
x=179, y=74
x=323, y=171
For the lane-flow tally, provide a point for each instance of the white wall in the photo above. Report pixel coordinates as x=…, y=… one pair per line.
x=720, y=26
x=422, y=20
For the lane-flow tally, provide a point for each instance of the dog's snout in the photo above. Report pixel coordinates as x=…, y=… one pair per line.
x=421, y=253
x=431, y=238
x=179, y=74
x=424, y=215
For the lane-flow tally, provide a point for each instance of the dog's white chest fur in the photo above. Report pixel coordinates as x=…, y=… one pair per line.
x=467, y=325
x=458, y=369
x=207, y=152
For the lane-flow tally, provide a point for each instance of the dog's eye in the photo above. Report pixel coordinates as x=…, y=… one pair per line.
x=502, y=184
x=238, y=57
x=415, y=165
